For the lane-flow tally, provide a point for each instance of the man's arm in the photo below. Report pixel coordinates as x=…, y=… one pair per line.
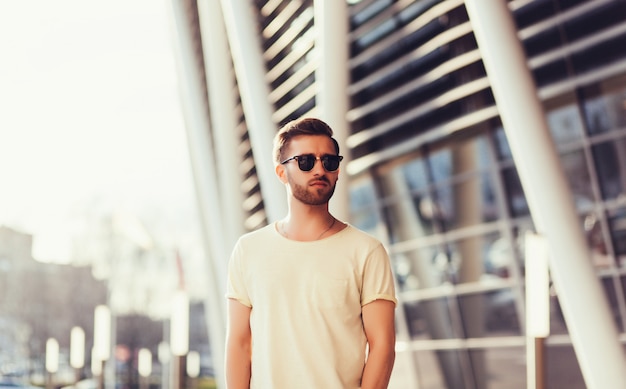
x=378, y=321
x=238, y=346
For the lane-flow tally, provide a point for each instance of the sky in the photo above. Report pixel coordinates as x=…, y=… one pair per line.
x=90, y=120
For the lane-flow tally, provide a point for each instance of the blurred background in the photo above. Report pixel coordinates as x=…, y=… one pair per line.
x=97, y=204
x=135, y=147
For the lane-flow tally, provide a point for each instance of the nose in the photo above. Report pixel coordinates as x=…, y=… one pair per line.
x=318, y=167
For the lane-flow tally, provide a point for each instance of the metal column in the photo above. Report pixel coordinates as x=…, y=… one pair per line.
x=224, y=120
x=585, y=307
x=200, y=146
x=243, y=36
x=332, y=78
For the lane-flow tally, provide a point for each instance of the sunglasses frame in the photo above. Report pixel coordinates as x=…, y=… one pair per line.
x=324, y=159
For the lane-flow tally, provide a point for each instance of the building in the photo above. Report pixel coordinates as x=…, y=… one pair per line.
x=430, y=168
x=39, y=301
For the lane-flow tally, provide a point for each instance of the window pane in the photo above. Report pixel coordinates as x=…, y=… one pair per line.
x=440, y=164
x=502, y=145
x=420, y=269
x=465, y=156
x=577, y=173
x=565, y=124
x=406, y=178
x=612, y=287
x=558, y=324
x=440, y=369
x=516, y=199
x=430, y=319
x=598, y=247
x=409, y=213
x=617, y=225
x=606, y=113
x=557, y=320
x=490, y=314
x=564, y=371
x=363, y=212
x=610, y=160
x=415, y=174
x=469, y=202
x=477, y=256
x=410, y=218
x=483, y=261
x=367, y=13
x=504, y=367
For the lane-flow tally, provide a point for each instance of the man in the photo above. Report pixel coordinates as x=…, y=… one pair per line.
x=310, y=298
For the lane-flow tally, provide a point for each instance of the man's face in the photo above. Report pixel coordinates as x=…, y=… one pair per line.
x=314, y=187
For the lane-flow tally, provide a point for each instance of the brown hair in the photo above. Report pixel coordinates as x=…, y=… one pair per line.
x=305, y=126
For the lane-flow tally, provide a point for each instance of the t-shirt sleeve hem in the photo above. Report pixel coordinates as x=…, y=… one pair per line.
x=239, y=299
x=380, y=297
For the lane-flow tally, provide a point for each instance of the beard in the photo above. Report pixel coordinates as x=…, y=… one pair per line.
x=312, y=196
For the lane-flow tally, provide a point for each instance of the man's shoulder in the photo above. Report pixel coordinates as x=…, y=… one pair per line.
x=260, y=234
x=359, y=232
x=362, y=236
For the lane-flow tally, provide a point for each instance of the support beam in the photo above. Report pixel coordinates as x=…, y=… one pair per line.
x=586, y=310
x=333, y=78
x=224, y=120
x=201, y=152
x=243, y=36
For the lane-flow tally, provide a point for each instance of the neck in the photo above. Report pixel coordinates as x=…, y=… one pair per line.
x=307, y=226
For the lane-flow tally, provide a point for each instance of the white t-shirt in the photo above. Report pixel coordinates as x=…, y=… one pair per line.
x=306, y=300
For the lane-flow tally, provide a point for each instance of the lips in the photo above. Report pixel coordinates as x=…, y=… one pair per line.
x=319, y=183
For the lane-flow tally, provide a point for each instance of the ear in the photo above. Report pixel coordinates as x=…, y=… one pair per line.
x=281, y=173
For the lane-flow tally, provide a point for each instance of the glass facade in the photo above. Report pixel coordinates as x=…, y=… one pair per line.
x=434, y=178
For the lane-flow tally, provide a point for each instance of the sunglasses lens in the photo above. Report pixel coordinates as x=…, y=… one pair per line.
x=330, y=162
x=306, y=162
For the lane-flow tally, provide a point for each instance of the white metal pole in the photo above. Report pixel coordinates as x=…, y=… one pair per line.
x=243, y=36
x=224, y=120
x=201, y=147
x=102, y=341
x=102, y=332
x=205, y=179
x=332, y=78
x=179, y=319
x=179, y=336
x=537, y=308
x=592, y=330
x=163, y=354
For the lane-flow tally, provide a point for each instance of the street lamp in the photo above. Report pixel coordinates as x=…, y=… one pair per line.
x=179, y=336
x=163, y=354
x=52, y=360
x=180, y=323
x=537, y=255
x=144, y=366
x=102, y=338
x=77, y=350
x=193, y=367
x=96, y=364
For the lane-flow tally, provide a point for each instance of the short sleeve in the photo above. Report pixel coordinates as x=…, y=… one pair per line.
x=236, y=286
x=378, y=280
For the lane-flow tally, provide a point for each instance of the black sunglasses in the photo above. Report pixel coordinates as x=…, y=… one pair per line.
x=307, y=161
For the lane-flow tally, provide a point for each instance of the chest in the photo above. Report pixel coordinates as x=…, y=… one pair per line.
x=314, y=279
